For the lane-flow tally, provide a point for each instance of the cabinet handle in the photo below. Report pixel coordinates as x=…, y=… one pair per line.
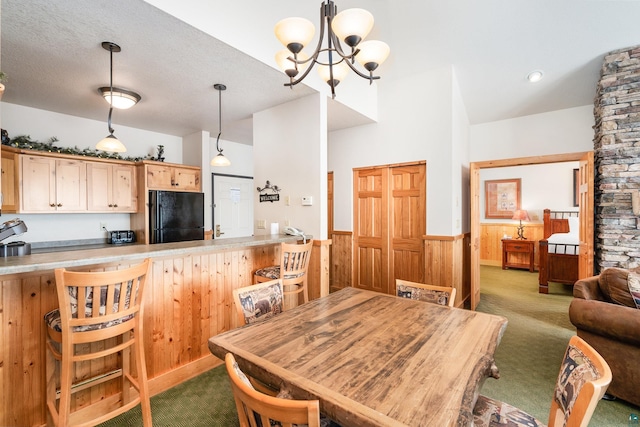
x=115, y=205
x=110, y=205
x=59, y=204
x=53, y=205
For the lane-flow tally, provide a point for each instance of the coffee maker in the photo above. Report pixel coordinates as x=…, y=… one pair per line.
x=13, y=227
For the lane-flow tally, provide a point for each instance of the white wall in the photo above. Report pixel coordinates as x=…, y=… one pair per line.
x=416, y=123
x=548, y=186
x=289, y=150
x=556, y=132
x=72, y=131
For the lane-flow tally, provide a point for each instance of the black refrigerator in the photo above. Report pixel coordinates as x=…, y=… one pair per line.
x=175, y=216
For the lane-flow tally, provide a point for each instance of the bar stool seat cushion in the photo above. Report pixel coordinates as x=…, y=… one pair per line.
x=273, y=273
x=52, y=320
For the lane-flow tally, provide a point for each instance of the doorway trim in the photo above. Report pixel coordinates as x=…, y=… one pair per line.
x=474, y=176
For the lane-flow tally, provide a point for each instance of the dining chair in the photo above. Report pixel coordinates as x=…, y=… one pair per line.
x=100, y=316
x=443, y=295
x=294, y=263
x=258, y=302
x=258, y=409
x=583, y=379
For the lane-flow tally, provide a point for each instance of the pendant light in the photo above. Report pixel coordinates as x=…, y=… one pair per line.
x=110, y=142
x=220, y=159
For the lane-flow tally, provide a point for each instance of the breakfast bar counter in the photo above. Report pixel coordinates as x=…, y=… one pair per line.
x=188, y=299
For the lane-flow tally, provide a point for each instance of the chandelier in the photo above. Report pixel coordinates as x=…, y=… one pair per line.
x=350, y=27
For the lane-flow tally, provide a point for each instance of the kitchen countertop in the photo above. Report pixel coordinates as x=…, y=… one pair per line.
x=101, y=254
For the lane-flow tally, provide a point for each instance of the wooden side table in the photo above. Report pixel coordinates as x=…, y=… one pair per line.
x=518, y=247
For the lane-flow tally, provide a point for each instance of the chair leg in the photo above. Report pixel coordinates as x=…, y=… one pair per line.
x=305, y=289
x=52, y=372
x=141, y=367
x=66, y=380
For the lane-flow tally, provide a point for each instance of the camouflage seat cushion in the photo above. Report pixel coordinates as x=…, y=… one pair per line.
x=273, y=272
x=494, y=413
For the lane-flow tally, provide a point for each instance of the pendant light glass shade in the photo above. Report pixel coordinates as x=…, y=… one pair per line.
x=121, y=99
x=352, y=25
x=295, y=33
x=220, y=160
x=111, y=143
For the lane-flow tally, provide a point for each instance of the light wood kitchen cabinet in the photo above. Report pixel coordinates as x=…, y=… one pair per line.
x=111, y=187
x=52, y=185
x=172, y=178
x=10, y=200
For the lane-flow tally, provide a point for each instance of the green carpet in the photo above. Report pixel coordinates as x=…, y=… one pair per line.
x=528, y=358
x=533, y=344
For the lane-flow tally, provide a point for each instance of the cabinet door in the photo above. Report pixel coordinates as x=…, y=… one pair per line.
x=9, y=180
x=159, y=177
x=186, y=179
x=71, y=185
x=38, y=184
x=124, y=192
x=99, y=183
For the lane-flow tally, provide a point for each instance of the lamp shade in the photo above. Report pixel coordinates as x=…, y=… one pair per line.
x=120, y=98
x=340, y=72
x=220, y=160
x=294, y=33
x=352, y=25
x=372, y=53
x=521, y=215
x=289, y=67
x=112, y=144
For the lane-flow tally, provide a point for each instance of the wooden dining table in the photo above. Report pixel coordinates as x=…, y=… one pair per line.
x=373, y=359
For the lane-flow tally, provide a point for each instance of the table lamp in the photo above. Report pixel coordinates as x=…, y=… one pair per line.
x=521, y=215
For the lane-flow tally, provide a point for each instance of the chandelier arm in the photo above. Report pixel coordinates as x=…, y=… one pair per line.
x=361, y=74
x=314, y=57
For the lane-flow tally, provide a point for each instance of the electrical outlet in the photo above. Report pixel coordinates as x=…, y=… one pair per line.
x=287, y=223
x=262, y=224
x=103, y=226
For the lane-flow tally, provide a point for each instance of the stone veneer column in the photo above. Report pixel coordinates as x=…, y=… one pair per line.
x=617, y=160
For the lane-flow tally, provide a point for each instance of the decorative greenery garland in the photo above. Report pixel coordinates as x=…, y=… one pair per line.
x=26, y=143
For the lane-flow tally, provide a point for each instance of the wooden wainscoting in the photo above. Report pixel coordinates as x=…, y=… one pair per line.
x=491, y=235
x=342, y=260
x=318, y=273
x=447, y=264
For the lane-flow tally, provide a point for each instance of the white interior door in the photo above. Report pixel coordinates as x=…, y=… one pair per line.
x=232, y=206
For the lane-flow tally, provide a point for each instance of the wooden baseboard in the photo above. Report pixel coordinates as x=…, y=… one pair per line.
x=179, y=375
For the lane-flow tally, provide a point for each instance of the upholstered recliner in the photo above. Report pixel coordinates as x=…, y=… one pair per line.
x=605, y=315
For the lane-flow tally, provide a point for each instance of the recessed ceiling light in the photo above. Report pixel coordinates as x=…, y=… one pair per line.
x=535, y=76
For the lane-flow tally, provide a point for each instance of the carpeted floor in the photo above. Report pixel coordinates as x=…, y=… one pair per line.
x=528, y=358
x=533, y=344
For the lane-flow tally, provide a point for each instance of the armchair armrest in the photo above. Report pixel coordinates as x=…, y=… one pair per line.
x=606, y=319
x=588, y=289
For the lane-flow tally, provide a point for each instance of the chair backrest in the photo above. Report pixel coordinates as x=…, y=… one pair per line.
x=583, y=379
x=100, y=305
x=294, y=261
x=253, y=405
x=443, y=295
x=258, y=302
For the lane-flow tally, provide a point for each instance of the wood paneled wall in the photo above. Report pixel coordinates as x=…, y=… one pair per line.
x=341, y=260
x=188, y=299
x=446, y=262
x=491, y=235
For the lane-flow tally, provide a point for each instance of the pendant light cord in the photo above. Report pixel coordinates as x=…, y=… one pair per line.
x=220, y=88
x=110, y=89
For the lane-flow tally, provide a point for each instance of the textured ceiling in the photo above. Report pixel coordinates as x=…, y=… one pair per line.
x=50, y=49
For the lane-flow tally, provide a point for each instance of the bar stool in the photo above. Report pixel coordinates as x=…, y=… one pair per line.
x=100, y=315
x=294, y=263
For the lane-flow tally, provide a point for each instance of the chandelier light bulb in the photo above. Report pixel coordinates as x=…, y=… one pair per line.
x=352, y=25
x=294, y=33
x=372, y=54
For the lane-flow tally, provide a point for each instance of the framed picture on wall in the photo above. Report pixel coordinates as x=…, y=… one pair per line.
x=501, y=198
x=576, y=187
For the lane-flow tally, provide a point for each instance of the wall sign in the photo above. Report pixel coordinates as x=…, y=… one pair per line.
x=269, y=198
